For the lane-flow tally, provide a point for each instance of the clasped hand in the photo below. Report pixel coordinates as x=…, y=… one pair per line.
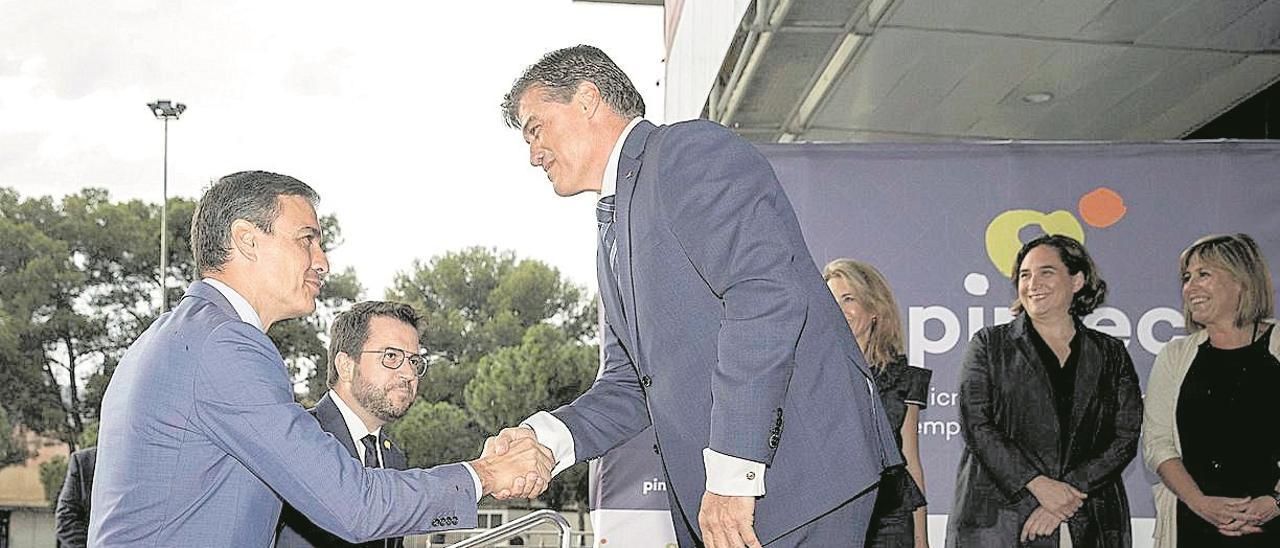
x=1058, y=502
x=514, y=465
x=1236, y=517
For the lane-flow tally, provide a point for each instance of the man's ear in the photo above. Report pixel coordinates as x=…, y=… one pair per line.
x=244, y=239
x=587, y=98
x=345, y=366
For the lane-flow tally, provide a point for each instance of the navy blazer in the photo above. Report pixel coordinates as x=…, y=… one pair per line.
x=295, y=530
x=1011, y=434
x=721, y=333
x=72, y=512
x=201, y=439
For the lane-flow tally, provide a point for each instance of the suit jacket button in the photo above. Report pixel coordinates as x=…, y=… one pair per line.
x=773, y=441
x=655, y=450
x=646, y=381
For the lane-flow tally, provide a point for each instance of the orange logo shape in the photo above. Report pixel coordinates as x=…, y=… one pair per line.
x=1102, y=207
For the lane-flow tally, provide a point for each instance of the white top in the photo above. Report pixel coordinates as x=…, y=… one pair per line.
x=726, y=475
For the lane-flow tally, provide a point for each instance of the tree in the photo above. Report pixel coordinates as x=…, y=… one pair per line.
x=434, y=433
x=478, y=300
x=544, y=372
x=52, y=473
x=13, y=450
x=507, y=338
x=79, y=283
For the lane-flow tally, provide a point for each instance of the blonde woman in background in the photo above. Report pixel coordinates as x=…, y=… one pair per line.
x=1209, y=422
x=899, y=519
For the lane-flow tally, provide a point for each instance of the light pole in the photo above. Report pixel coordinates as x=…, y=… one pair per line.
x=166, y=110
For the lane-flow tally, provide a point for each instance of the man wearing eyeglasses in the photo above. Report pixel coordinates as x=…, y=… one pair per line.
x=373, y=372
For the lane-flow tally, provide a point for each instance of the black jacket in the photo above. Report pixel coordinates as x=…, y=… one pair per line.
x=1011, y=435
x=72, y=512
x=295, y=530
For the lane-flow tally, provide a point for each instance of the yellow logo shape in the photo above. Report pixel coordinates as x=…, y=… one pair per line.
x=1002, y=234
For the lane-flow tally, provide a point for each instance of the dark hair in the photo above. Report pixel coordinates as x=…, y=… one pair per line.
x=1077, y=259
x=350, y=330
x=249, y=195
x=558, y=74
x=1241, y=258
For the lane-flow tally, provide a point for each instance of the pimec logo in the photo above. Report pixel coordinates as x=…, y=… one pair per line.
x=1100, y=208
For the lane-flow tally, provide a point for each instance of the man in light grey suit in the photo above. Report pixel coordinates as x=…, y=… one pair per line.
x=720, y=331
x=373, y=371
x=200, y=436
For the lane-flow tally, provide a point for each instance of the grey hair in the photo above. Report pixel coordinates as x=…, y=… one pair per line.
x=558, y=74
x=248, y=195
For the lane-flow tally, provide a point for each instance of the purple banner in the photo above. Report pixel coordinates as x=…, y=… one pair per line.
x=943, y=222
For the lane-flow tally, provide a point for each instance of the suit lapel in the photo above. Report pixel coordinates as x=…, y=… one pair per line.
x=629, y=163
x=392, y=457
x=1030, y=358
x=331, y=421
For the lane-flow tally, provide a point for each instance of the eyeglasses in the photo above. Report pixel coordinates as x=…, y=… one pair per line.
x=393, y=358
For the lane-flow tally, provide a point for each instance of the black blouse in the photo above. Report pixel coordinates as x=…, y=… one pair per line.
x=900, y=385
x=1229, y=446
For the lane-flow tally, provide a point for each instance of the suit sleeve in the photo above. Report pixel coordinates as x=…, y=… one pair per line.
x=609, y=413
x=1126, y=424
x=998, y=454
x=72, y=519
x=245, y=406
x=727, y=211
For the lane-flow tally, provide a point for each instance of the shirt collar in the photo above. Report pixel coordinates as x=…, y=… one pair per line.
x=243, y=309
x=354, y=425
x=609, y=184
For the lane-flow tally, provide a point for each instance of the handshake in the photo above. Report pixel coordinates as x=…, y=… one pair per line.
x=514, y=465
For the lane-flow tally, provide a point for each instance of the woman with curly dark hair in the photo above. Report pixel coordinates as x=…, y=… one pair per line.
x=1050, y=412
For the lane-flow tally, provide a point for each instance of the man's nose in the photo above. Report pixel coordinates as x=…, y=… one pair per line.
x=320, y=262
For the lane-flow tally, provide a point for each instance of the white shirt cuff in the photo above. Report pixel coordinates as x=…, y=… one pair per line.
x=554, y=435
x=731, y=476
x=475, y=478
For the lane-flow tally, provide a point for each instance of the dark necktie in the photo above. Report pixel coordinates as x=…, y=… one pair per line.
x=370, y=451
x=605, y=209
x=370, y=443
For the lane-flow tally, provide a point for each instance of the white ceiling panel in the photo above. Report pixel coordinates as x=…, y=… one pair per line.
x=966, y=69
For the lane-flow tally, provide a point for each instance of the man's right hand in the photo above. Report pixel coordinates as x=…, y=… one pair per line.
x=514, y=465
x=1058, y=498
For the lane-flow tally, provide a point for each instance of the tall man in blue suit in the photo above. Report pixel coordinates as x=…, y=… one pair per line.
x=200, y=437
x=373, y=371
x=719, y=329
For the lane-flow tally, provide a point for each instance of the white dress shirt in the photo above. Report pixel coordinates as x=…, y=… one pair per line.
x=726, y=475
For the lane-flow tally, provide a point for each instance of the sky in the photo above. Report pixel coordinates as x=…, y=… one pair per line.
x=388, y=109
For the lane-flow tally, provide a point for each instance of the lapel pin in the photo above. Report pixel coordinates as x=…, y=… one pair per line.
x=386, y=444
x=628, y=175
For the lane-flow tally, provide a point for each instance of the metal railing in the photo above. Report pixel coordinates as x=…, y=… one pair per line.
x=520, y=525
